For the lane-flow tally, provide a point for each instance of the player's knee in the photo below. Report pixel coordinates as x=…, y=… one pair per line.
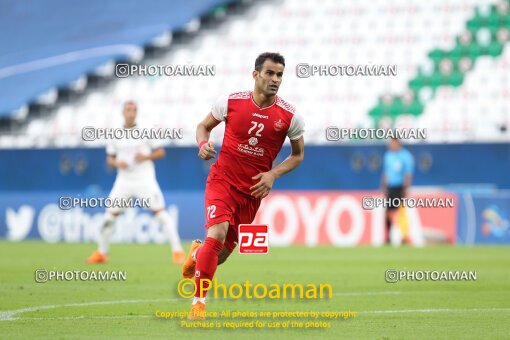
x=218, y=231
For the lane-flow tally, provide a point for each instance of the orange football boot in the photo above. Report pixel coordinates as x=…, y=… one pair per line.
x=178, y=256
x=197, y=311
x=97, y=257
x=188, y=268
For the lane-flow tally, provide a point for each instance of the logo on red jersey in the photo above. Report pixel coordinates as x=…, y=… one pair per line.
x=279, y=125
x=260, y=116
x=253, y=239
x=253, y=141
x=254, y=151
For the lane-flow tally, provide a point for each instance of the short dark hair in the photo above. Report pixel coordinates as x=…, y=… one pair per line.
x=276, y=57
x=130, y=102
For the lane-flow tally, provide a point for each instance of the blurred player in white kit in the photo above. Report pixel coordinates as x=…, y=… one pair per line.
x=136, y=177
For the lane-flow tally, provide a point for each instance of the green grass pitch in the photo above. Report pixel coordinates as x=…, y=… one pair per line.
x=403, y=310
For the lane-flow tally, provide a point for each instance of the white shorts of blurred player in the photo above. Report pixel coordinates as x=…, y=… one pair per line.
x=143, y=189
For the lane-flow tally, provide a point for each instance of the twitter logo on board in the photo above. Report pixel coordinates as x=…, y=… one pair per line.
x=19, y=223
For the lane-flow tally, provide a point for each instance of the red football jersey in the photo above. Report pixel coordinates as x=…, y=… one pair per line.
x=253, y=136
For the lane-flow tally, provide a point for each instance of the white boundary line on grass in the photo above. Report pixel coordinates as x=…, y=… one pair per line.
x=12, y=315
x=436, y=310
x=391, y=292
x=406, y=311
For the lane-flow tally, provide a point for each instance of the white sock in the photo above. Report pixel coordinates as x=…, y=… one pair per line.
x=396, y=235
x=170, y=229
x=198, y=299
x=106, y=233
x=194, y=255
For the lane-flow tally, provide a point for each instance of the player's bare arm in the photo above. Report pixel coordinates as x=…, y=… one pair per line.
x=154, y=155
x=297, y=154
x=383, y=183
x=407, y=183
x=112, y=162
x=204, y=129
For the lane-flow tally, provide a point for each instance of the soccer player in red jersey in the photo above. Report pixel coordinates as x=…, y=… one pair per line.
x=256, y=125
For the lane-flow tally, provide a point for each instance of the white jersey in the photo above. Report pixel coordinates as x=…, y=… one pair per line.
x=126, y=149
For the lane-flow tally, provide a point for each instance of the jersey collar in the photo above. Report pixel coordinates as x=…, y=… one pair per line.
x=262, y=108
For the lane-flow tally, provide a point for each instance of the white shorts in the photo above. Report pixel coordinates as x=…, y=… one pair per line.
x=139, y=189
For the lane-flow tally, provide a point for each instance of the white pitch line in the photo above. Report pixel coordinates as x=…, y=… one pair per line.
x=9, y=315
x=395, y=292
x=436, y=310
x=83, y=317
x=406, y=311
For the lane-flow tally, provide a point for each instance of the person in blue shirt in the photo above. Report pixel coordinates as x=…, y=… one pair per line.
x=398, y=168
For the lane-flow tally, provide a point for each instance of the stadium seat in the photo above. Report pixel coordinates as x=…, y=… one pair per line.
x=351, y=33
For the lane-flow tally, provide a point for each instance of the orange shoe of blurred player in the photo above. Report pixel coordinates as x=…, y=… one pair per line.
x=178, y=257
x=97, y=257
x=188, y=268
x=197, y=311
